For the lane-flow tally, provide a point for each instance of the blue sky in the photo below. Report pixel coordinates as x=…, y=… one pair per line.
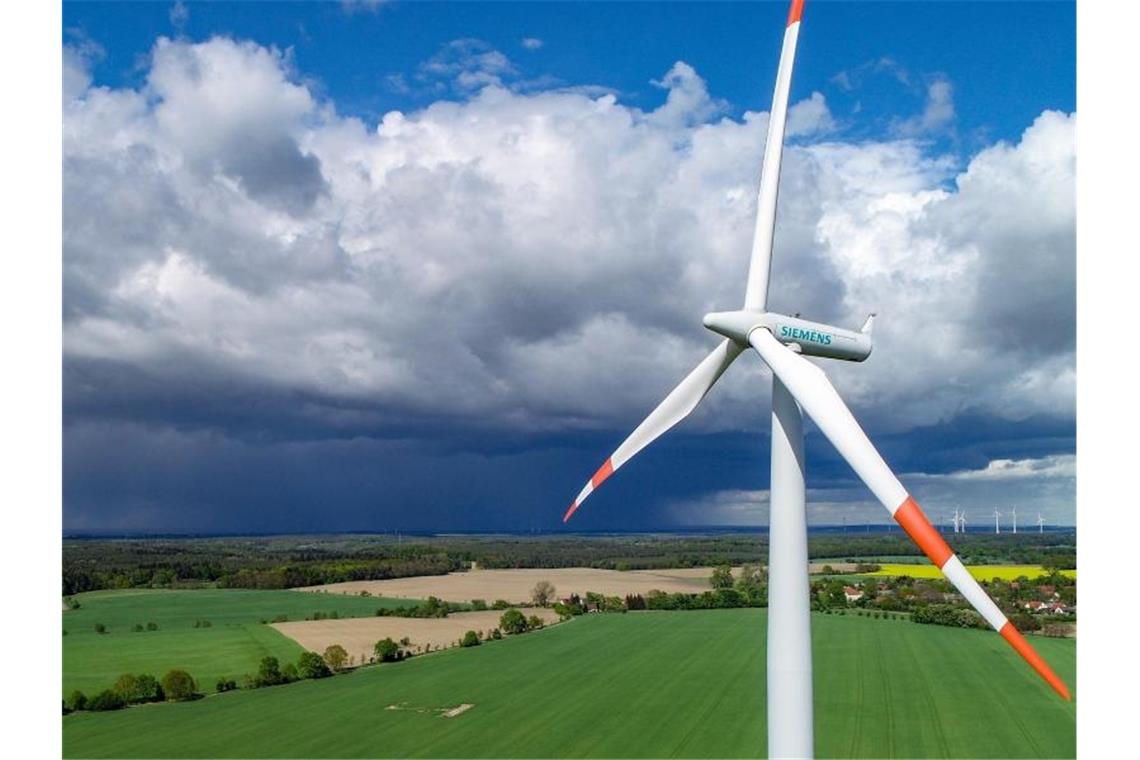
x=1010, y=60
x=285, y=310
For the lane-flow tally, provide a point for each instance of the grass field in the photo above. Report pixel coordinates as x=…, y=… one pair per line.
x=233, y=644
x=648, y=684
x=980, y=572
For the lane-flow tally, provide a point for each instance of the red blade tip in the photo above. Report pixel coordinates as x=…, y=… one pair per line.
x=1018, y=642
x=795, y=12
x=569, y=512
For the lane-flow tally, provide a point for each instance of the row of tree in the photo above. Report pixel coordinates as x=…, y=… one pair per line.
x=130, y=689
x=286, y=562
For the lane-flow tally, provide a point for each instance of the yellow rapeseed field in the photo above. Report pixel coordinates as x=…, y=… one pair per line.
x=980, y=572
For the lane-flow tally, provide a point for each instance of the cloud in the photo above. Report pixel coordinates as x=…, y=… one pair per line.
x=468, y=64
x=362, y=6
x=938, y=112
x=179, y=16
x=240, y=258
x=809, y=117
x=531, y=43
x=1045, y=485
x=1058, y=466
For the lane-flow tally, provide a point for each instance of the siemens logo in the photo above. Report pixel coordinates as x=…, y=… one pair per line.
x=812, y=336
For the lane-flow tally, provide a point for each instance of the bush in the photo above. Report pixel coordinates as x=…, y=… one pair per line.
x=336, y=656
x=138, y=689
x=226, y=684
x=178, y=685
x=387, y=650
x=496, y=634
x=72, y=602
x=501, y=604
x=100, y=628
x=152, y=626
x=106, y=700
x=470, y=639
x=535, y=623
x=138, y=628
x=478, y=605
x=312, y=665
x=722, y=577
x=289, y=673
x=269, y=672
x=513, y=622
x=77, y=700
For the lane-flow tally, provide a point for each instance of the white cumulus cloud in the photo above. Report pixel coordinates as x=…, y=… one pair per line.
x=534, y=260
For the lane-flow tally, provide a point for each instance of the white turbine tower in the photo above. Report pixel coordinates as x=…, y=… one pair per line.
x=800, y=386
x=962, y=521
x=1015, y=521
x=1040, y=523
x=997, y=522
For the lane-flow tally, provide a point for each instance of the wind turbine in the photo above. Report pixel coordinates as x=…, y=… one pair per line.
x=1040, y=523
x=800, y=386
x=1015, y=521
x=962, y=521
x=997, y=522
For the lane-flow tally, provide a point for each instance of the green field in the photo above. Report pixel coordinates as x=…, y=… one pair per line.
x=645, y=684
x=232, y=646
x=980, y=572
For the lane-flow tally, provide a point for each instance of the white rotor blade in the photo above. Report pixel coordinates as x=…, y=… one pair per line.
x=680, y=402
x=756, y=297
x=819, y=399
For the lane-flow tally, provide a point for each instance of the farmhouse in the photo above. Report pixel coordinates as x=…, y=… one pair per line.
x=852, y=593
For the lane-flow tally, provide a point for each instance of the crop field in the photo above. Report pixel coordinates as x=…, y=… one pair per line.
x=358, y=635
x=642, y=684
x=980, y=572
x=515, y=585
x=231, y=646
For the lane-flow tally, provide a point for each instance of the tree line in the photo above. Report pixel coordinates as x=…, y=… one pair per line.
x=291, y=561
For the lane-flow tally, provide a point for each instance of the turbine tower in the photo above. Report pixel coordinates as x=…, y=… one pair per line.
x=1015, y=521
x=997, y=522
x=799, y=386
x=962, y=521
x=1040, y=523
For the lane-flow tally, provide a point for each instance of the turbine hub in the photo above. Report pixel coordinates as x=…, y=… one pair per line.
x=812, y=338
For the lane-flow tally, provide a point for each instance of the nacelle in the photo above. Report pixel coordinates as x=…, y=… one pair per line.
x=813, y=338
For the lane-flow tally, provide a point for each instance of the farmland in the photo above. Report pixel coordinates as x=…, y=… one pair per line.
x=515, y=585
x=232, y=645
x=980, y=572
x=642, y=684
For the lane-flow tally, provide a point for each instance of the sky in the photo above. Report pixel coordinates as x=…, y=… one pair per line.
x=423, y=266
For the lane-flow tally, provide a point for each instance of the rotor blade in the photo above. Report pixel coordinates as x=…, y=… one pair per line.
x=756, y=297
x=680, y=402
x=819, y=399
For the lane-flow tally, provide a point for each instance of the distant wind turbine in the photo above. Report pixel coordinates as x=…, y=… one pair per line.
x=1015, y=521
x=1040, y=523
x=997, y=521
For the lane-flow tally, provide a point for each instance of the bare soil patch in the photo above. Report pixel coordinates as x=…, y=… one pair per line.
x=515, y=585
x=359, y=635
